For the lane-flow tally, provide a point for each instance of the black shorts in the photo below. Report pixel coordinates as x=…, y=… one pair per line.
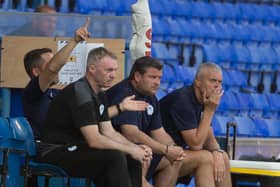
x=154, y=163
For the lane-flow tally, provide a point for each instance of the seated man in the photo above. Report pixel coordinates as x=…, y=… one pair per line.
x=78, y=131
x=42, y=68
x=169, y=161
x=187, y=114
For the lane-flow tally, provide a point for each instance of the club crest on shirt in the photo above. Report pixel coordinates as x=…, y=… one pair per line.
x=101, y=109
x=150, y=110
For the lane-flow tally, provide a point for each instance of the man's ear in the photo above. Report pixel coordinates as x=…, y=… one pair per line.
x=92, y=68
x=137, y=76
x=36, y=72
x=197, y=83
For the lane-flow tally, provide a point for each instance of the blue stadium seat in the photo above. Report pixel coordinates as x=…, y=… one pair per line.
x=22, y=132
x=219, y=124
x=259, y=105
x=269, y=127
x=261, y=127
x=202, y=10
x=161, y=93
x=161, y=29
x=228, y=105
x=211, y=52
x=244, y=102
x=182, y=9
x=226, y=11
x=245, y=126
x=157, y=7
x=243, y=56
x=227, y=54
x=184, y=74
x=9, y=162
x=86, y=7
x=168, y=76
x=160, y=51
x=256, y=55
x=273, y=127
x=274, y=105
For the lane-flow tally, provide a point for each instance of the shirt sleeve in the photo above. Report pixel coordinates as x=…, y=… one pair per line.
x=32, y=92
x=184, y=117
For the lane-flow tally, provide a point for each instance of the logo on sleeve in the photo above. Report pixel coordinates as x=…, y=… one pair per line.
x=101, y=109
x=150, y=110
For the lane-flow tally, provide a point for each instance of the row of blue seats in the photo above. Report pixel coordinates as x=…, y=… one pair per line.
x=250, y=104
x=176, y=75
x=215, y=10
x=186, y=9
x=249, y=56
x=247, y=127
x=179, y=29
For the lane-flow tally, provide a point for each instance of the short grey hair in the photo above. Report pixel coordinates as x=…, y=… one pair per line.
x=95, y=55
x=205, y=66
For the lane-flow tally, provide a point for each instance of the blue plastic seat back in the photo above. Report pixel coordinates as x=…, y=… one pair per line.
x=245, y=126
x=273, y=127
x=5, y=131
x=161, y=93
x=261, y=127
x=23, y=131
x=168, y=76
x=219, y=124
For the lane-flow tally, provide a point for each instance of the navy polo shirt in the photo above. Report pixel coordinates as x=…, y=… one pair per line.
x=147, y=120
x=180, y=110
x=35, y=104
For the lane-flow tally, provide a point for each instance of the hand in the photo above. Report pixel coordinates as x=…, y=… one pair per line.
x=175, y=153
x=148, y=150
x=219, y=166
x=148, y=157
x=82, y=33
x=212, y=100
x=129, y=104
x=140, y=154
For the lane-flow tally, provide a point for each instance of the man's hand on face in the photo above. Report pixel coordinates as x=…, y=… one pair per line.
x=211, y=99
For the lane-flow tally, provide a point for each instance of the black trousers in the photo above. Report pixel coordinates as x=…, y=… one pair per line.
x=107, y=168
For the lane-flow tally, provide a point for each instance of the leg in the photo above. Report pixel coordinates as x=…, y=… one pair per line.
x=145, y=168
x=135, y=171
x=105, y=167
x=199, y=164
x=227, y=181
x=166, y=174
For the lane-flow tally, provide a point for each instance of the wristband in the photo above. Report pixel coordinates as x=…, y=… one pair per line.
x=118, y=108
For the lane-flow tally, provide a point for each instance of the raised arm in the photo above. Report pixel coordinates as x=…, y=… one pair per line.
x=49, y=74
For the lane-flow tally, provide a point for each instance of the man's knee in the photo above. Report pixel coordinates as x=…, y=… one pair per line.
x=206, y=157
x=116, y=158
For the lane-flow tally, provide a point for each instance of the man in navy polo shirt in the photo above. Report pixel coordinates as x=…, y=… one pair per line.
x=187, y=114
x=169, y=161
x=42, y=67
